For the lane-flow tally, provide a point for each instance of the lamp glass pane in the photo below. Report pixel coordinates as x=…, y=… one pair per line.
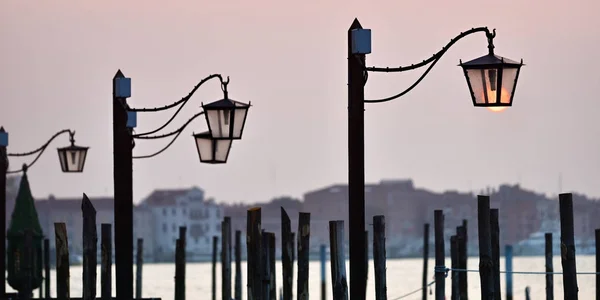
x=72, y=159
x=484, y=83
x=222, y=151
x=240, y=114
x=205, y=148
x=219, y=121
x=508, y=84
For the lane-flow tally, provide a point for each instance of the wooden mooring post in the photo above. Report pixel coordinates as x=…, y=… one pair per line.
x=454, y=265
x=463, y=255
x=495, y=236
x=47, y=277
x=272, y=268
x=90, y=251
x=597, y=232
x=486, y=264
x=440, y=255
x=62, y=261
x=549, y=266
x=287, y=249
x=508, y=256
x=379, y=264
x=215, y=241
x=303, y=255
x=339, y=282
x=139, y=264
x=323, y=258
x=425, y=260
x=366, y=262
x=253, y=258
x=106, y=263
x=226, y=258
x=527, y=293
x=567, y=237
x=179, y=273
x=265, y=267
x=238, y=265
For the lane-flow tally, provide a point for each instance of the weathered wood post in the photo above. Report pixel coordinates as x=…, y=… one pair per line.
x=238, y=265
x=454, y=265
x=90, y=251
x=214, y=267
x=379, y=264
x=366, y=262
x=106, y=263
x=62, y=261
x=440, y=255
x=339, y=282
x=425, y=260
x=323, y=257
x=182, y=261
x=179, y=275
x=303, y=255
x=47, y=268
x=486, y=265
x=463, y=256
x=253, y=258
x=287, y=255
x=549, y=267
x=138, y=268
x=226, y=258
x=527, y=296
x=597, y=264
x=508, y=255
x=272, y=268
x=266, y=268
x=567, y=239
x=495, y=235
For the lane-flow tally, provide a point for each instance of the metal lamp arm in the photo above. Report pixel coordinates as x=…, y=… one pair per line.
x=183, y=101
x=41, y=149
x=433, y=60
x=176, y=133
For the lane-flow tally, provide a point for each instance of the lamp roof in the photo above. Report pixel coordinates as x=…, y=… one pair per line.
x=490, y=60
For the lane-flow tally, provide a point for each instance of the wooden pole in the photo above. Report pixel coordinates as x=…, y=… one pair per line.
x=303, y=255
x=495, y=236
x=179, y=275
x=337, y=255
x=549, y=267
x=138, y=268
x=454, y=265
x=486, y=264
x=379, y=264
x=266, y=268
x=323, y=256
x=272, y=268
x=527, y=296
x=226, y=258
x=90, y=251
x=62, y=261
x=214, y=267
x=425, y=260
x=287, y=255
x=366, y=262
x=567, y=237
x=238, y=265
x=106, y=263
x=440, y=285
x=253, y=258
x=508, y=254
x=597, y=232
x=47, y=278
x=463, y=257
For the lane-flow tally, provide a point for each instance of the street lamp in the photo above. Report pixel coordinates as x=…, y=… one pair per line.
x=72, y=159
x=225, y=119
x=491, y=79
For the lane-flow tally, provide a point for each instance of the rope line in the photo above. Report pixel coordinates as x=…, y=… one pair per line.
x=413, y=292
x=525, y=272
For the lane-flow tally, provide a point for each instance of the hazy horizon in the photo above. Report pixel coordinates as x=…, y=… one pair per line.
x=289, y=59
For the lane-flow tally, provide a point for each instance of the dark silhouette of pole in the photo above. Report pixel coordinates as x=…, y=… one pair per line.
x=356, y=168
x=440, y=255
x=425, y=259
x=3, y=170
x=123, y=196
x=486, y=264
x=567, y=239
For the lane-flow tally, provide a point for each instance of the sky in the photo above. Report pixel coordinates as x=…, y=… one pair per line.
x=58, y=58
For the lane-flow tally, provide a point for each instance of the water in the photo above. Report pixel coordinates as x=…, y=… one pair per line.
x=403, y=276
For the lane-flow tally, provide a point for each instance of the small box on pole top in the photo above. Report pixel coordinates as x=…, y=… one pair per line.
x=131, y=119
x=3, y=138
x=123, y=87
x=361, y=41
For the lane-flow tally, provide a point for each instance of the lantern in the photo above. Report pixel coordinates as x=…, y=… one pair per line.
x=492, y=80
x=211, y=150
x=72, y=158
x=226, y=118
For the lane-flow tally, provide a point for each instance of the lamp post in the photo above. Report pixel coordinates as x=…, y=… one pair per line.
x=491, y=79
x=71, y=158
x=225, y=118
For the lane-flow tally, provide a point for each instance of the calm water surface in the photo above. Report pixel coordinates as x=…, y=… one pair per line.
x=403, y=276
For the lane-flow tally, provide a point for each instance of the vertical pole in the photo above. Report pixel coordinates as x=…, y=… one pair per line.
x=214, y=267
x=339, y=283
x=106, y=263
x=567, y=237
x=238, y=265
x=266, y=268
x=454, y=265
x=440, y=255
x=486, y=264
x=90, y=251
x=549, y=267
x=123, y=196
x=138, y=269
x=47, y=268
x=463, y=249
x=527, y=296
x=356, y=168
x=253, y=258
x=182, y=260
x=287, y=255
x=495, y=235
x=379, y=257
x=304, y=255
x=323, y=262
x=366, y=262
x=226, y=258
x=272, y=267
x=179, y=271
x=597, y=264
x=508, y=256
x=3, y=170
x=425, y=259
x=62, y=261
